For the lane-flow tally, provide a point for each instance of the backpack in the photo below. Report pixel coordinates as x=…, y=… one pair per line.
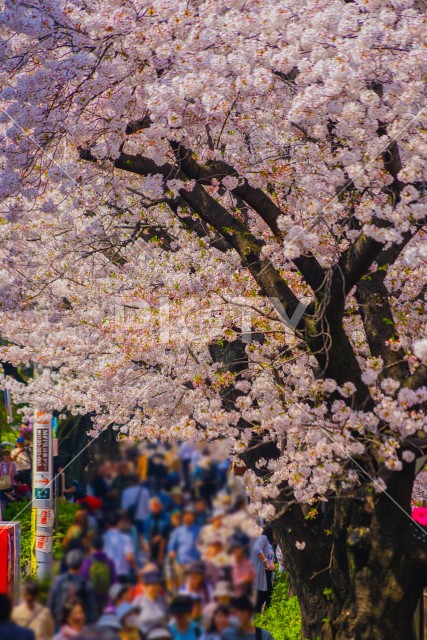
x=100, y=576
x=68, y=587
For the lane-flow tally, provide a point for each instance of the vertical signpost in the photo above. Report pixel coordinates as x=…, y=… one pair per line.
x=42, y=492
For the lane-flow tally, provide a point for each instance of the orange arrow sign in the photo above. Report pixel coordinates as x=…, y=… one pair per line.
x=42, y=480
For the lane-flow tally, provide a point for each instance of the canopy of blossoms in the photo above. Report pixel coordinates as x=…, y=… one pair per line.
x=179, y=174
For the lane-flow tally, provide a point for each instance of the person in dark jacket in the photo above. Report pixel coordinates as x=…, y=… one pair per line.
x=71, y=585
x=9, y=630
x=156, y=529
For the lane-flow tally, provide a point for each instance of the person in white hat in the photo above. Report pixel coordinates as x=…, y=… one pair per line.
x=221, y=595
x=159, y=633
x=214, y=530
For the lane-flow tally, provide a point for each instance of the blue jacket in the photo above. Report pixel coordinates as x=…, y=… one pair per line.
x=183, y=542
x=149, y=526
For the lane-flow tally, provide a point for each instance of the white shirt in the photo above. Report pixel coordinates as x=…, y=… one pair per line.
x=22, y=459
x=130, y=496
x=117, y=546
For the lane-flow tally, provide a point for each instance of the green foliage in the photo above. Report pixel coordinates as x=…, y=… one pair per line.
x=283, y=617
x=21, y=511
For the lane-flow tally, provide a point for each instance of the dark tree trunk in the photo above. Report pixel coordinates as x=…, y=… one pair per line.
x=361, y=572
x=363, y=569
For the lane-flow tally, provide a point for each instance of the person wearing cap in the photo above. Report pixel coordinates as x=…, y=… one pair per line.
x=241, y=622
x=110, y=622
x=152, y=604
x=127, y=614
x=182, y=547
x=117, y=594
x=22, y=459
x=217, y=561
x=214, y=530
x=182, y=626
x=71, y=584
x=195, y=585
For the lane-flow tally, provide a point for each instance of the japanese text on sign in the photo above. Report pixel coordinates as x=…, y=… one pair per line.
x=42, y=451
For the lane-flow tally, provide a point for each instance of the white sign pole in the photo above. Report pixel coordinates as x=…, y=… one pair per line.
x=43, y=492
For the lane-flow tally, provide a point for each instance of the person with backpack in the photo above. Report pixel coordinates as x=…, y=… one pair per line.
x=100, y=570
x=71, y=585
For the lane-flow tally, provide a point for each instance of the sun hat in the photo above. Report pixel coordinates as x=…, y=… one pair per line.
x=116, y=590
x=189, y=509
x=222, y=589
x=196, y=567
x=125, y=609
x=110, y=621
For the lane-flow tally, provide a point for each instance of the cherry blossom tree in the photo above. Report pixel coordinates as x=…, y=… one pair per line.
x=213, y=228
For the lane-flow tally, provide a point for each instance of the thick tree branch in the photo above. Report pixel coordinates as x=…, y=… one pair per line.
x=255, y=198
x=234, y=232
x=373, y=298
x=417, y=379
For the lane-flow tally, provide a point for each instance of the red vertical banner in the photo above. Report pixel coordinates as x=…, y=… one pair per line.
x=4, y=541
x=10, y=558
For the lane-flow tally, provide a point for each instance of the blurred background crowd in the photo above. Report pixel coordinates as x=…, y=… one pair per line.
x=161, y=548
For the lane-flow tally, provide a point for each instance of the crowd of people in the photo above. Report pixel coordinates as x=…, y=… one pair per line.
x=161, y=548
